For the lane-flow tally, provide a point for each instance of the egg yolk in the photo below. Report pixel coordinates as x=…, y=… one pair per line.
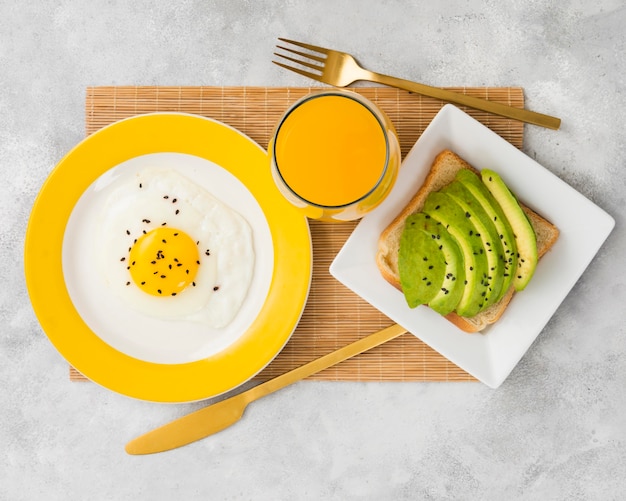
x=164, y=261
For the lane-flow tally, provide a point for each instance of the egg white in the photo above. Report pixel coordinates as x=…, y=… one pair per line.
x=157, y=196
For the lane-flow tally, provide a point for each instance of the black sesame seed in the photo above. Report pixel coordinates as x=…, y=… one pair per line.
x=143, y=283
x=162, y=276
x=216, y=288
x=173, y=293
x=174, y=200
x=127, y=283
x=159, y=291
x=166, y=197
x=127, y=232
x=177, y=211
x=164, y=241
x=145, y=220
x=123, y=259
x=207, y=252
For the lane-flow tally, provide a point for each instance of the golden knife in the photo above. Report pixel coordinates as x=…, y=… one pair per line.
x=216, y=417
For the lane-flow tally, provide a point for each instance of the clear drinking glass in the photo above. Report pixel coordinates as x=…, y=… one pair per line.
x=335, y=155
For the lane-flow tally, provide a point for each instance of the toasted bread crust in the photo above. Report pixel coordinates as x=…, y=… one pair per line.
x=442, y=172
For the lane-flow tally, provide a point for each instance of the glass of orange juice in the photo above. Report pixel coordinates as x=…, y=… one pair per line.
x=335, y=155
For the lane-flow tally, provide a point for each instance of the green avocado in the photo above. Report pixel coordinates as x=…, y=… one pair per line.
x=445, y=209
x=505, y=233
x=523, y=232
x=489, y=236
x=449, y=294
x=421, y=264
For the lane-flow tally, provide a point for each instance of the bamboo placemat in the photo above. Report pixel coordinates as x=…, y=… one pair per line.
x=333, y=316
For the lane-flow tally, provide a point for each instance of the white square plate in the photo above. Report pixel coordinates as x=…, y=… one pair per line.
x=491, y=355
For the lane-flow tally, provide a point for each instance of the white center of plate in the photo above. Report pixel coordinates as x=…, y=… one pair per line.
x=139, y=335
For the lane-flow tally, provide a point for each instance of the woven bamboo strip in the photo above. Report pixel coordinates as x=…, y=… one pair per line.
x=333, y=316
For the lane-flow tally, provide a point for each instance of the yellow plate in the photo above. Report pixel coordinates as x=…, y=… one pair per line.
x=88, y=353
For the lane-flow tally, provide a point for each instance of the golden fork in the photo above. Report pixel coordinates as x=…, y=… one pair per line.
x=341, y=69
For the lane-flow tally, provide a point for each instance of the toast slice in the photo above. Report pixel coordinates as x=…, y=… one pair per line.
x=443, y=172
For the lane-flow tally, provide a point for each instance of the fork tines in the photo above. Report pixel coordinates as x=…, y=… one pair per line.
x=306, y=58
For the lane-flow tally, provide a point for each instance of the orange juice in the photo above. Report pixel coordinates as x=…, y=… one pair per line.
x=336, y=152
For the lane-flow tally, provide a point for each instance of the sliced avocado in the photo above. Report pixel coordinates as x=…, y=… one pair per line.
x=444, y=209
x=489, y=236
x=509, y=257
x=451, y=290
x=421, y=264
x=523, y=232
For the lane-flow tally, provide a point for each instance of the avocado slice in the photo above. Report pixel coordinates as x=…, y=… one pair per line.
x=444, y=209
x=421, y=264
x=523, y=232
x=451, y=290
x=489, y=236
x=509, y=257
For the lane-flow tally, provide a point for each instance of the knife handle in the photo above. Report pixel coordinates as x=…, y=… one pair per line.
x=324, y=362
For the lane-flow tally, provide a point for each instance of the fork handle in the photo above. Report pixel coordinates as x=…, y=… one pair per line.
x=523, y=115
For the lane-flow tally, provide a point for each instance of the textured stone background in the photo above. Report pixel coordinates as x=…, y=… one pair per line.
x=556, y=428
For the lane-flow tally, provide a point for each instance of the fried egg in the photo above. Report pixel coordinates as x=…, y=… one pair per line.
x=169, y=249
